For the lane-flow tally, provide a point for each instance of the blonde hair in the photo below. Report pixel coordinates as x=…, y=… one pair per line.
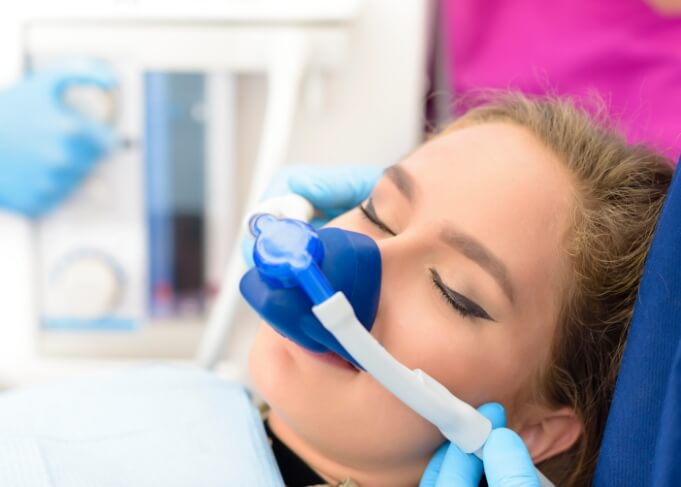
x=620, y=191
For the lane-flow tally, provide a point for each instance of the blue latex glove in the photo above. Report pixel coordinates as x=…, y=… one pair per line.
x=506, y=461
x=332, y=190
x=46, y=149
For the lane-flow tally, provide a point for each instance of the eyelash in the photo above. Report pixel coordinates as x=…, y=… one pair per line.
x=464, y=306
x=370, y=215
x=461, y=304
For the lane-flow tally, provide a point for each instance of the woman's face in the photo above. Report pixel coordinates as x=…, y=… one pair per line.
x=470, y=227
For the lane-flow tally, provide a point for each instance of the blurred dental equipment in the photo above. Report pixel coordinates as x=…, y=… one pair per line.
x=291, y=255
x=132, y=263
x=212, y=98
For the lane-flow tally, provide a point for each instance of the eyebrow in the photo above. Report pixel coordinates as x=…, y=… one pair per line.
x=402, y=179
x=465, y=244
x=477, y=252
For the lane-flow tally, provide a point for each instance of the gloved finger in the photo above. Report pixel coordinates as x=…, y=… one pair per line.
x=495, y=413
x=99, y=137
x=44, y=196
x=81, y=154
x=335, y=188
x=80, y=72
x=71, y=179
x=507, y=461
x=471, y=466
x=65, y=160
x=49, y=202
x=23, y=204
x=63, y=164
x=459, y=468
x=429, y=477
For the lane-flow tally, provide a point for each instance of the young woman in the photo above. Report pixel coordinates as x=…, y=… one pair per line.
x=512, y=247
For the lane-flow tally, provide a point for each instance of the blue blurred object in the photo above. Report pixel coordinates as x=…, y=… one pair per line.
x=46, y=148
x=351, y=262
x=332, y=190
x=175, y=173
x=642, y=437
x=506, y=459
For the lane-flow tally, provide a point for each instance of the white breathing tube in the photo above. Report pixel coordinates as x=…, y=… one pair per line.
x=458, y=421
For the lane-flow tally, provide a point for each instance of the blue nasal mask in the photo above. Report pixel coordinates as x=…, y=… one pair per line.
x=287, y=252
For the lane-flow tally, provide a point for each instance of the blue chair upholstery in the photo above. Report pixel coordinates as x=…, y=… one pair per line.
x=643, y=433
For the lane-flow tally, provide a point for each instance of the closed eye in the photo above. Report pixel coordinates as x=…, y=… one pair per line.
x=463, y=305
x=369, y=213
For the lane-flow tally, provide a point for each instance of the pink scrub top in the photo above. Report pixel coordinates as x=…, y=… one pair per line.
x=620, y=49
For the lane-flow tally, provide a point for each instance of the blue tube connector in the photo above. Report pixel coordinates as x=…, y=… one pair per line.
x=287, y=253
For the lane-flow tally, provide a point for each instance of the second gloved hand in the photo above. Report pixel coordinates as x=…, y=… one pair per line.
x=46, y=149
x=331, y=190
x=506, y=461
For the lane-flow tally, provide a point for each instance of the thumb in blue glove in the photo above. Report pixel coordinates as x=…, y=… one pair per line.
x=334, y=190
x=46, y=149
x=507, y=462
x=331, y=190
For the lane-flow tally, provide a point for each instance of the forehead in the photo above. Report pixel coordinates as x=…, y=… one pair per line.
x=499, y=183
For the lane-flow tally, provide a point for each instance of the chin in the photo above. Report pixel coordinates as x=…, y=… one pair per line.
x=269, y=362
x=284, y=376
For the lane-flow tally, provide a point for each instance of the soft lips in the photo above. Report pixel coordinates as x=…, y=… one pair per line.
x=332, y=358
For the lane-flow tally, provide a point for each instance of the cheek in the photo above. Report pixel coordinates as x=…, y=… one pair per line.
x=268, y=360
x=479, y=362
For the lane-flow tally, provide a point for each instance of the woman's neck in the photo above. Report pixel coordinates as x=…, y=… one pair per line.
x=334, y=471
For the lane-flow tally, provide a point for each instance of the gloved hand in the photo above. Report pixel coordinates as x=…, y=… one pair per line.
x=332, y=190
x=46, y=148
x=506, y=460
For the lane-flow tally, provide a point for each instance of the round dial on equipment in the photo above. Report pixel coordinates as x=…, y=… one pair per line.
x=85, y=286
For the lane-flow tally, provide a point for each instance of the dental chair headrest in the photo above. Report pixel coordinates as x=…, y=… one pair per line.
x=643, y=431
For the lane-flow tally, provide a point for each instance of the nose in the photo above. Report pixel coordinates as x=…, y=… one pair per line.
x=398, y=254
